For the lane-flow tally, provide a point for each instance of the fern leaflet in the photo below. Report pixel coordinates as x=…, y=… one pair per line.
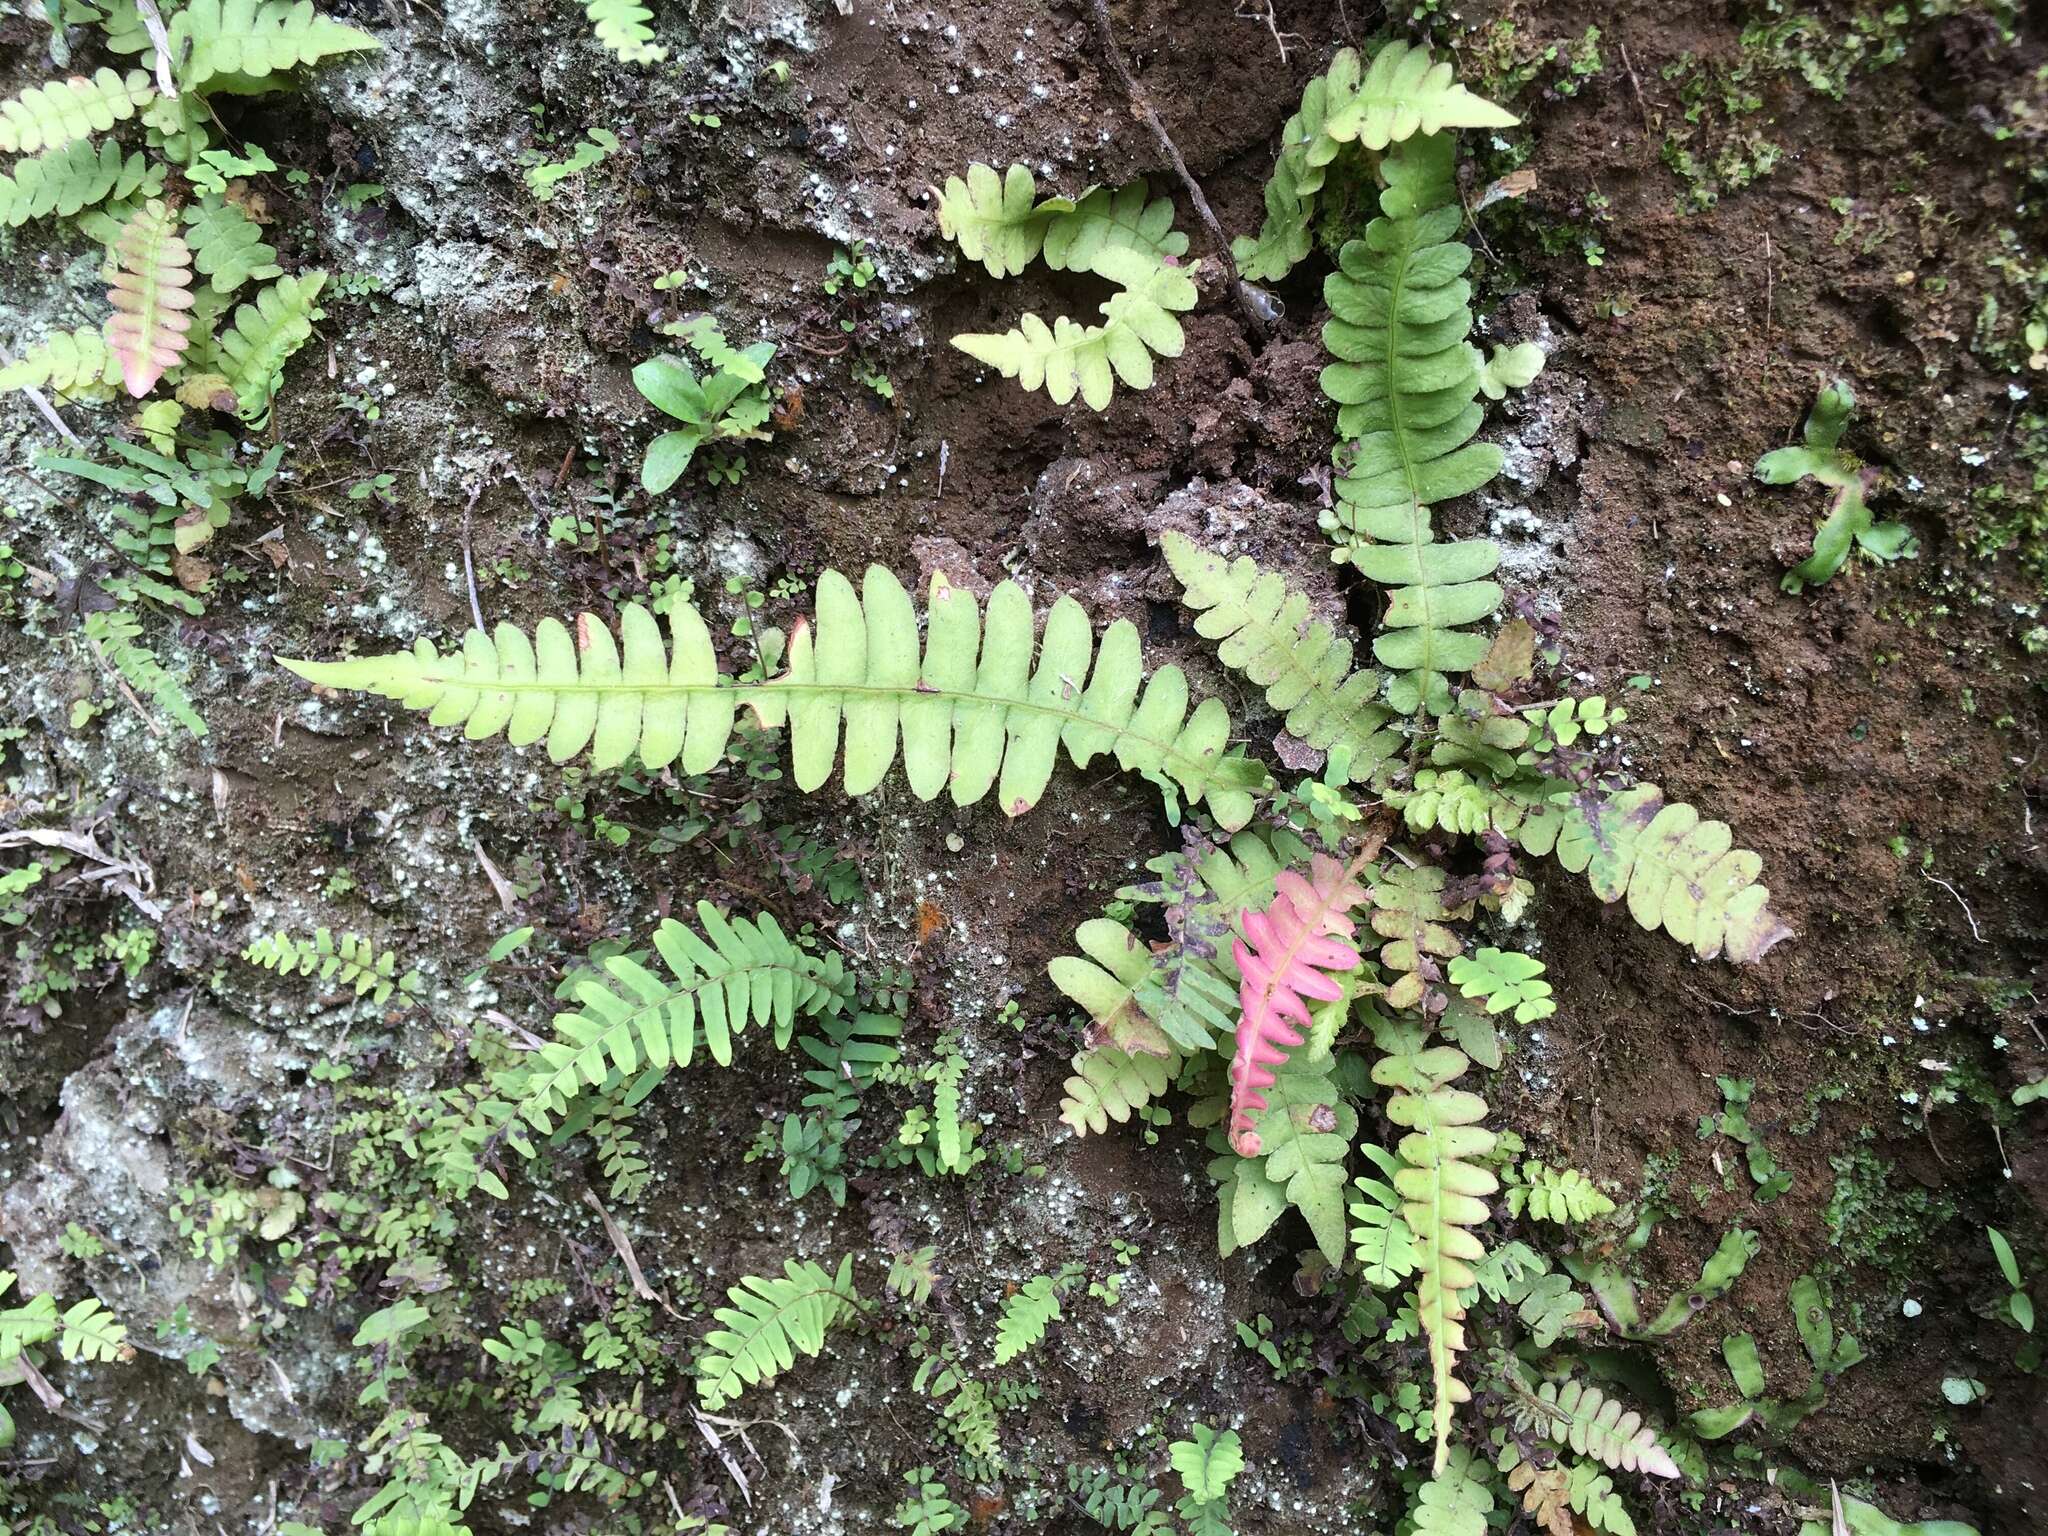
x=631, y=1021
x=1108, y=1084
x=1028, y=1313
x=1593, y=1424
x=1455, y=1501
x=1564, y=1196
x=238, y=47
x=348, y=958
x=253, y=351
x=116, y=634
x=972, y=716
x=227, y=246
x=72, y=365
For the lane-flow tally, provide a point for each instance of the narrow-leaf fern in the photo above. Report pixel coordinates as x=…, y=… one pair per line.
x=151, y=293
x=972, y=715
x=769, y=1323
x=54, y=114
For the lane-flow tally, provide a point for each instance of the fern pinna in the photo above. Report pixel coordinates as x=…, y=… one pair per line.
x=972, y=714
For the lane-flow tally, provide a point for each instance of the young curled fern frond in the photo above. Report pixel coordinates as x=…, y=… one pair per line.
x=56, y=113
x=1443, y=1190
x=972, y=715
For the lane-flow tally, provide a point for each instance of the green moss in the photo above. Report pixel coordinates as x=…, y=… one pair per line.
x=1871, y=1223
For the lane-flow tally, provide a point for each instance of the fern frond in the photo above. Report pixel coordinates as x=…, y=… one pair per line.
x=1263, y=630
x=1593, y=1424
x=1443, y=1190
x=1407, y=383
x=227, y=246
x=1456, y=1500
x=1504, y=979
x=1066, y=358
x=630, y=1020
x=1380, y=1235
x=1403, y=93
x=264, y=335
x=972, y=717
x=1679, y=872
x=88, y=1331
x=1408, y=911
x=348, y=958
x=1026, y=1315
x=769, y=1323
x=72, y=177
x=70, y=365
x=53, y=114
x=621, y=27
x=1285, y=956
x=1001, y=222
x=22, y=1328
x=1545, y=1491
x=117, y=634
x=1303, y=1137
x=1592, y=1494
x=1564, y=1196
x=1105, y=986
x=240, y=47
x=151, y=293
x=969, y=1411
x=1108, y=1084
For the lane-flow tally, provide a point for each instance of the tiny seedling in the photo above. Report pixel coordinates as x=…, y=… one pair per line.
x=1849, y=521
x=731, y=403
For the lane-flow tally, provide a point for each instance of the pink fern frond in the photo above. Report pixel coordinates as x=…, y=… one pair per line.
x=151, y=292
x=1282, y=960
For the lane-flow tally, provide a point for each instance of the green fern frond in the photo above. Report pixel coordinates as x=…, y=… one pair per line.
x=1504, y=979
x=22, y=1328
x=1408, y=912
x=56, y=113
x=769, y=1323
x=631, y=1020
x=972, y=716
x=1381, y=1238
x=621, y=27
x=1564, y=1196
x=1000, y=222
x=348, y=958
x=1108, y=1084
x=1118, y=986
x=1456, y=1500
x=69, y=365
x=1443, y=1190
x=117, y=634
x=1304, y=1134
x=88, y=1331
x=252, y=352
x=1263, y=630
x=1027, y=1313
x=1407, y=382
x=72, y=177
x=227, y=246
x=1679, y=872
x=243, y=47
x=1066, y=358
x=969, y=1410
x=1593, y=1424
x=1592, y=1494
x=1403, y=93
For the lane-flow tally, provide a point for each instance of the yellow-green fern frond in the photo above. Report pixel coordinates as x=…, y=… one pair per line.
x=621, y=27
x=242, y=47
x=72, y=177
x=973, y=715
x=1108, y=1084
x=54, y=114
x=769, y=1323
x=70, y=365
x=251, y=353
x=1443, y=1192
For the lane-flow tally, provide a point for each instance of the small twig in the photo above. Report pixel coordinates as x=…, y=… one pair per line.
x=476, y=610
x=1767, y=301
x=1642, y=106
x=160, y=44
x=624, y=1249
x=1142, y=105
x=1975, y=932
